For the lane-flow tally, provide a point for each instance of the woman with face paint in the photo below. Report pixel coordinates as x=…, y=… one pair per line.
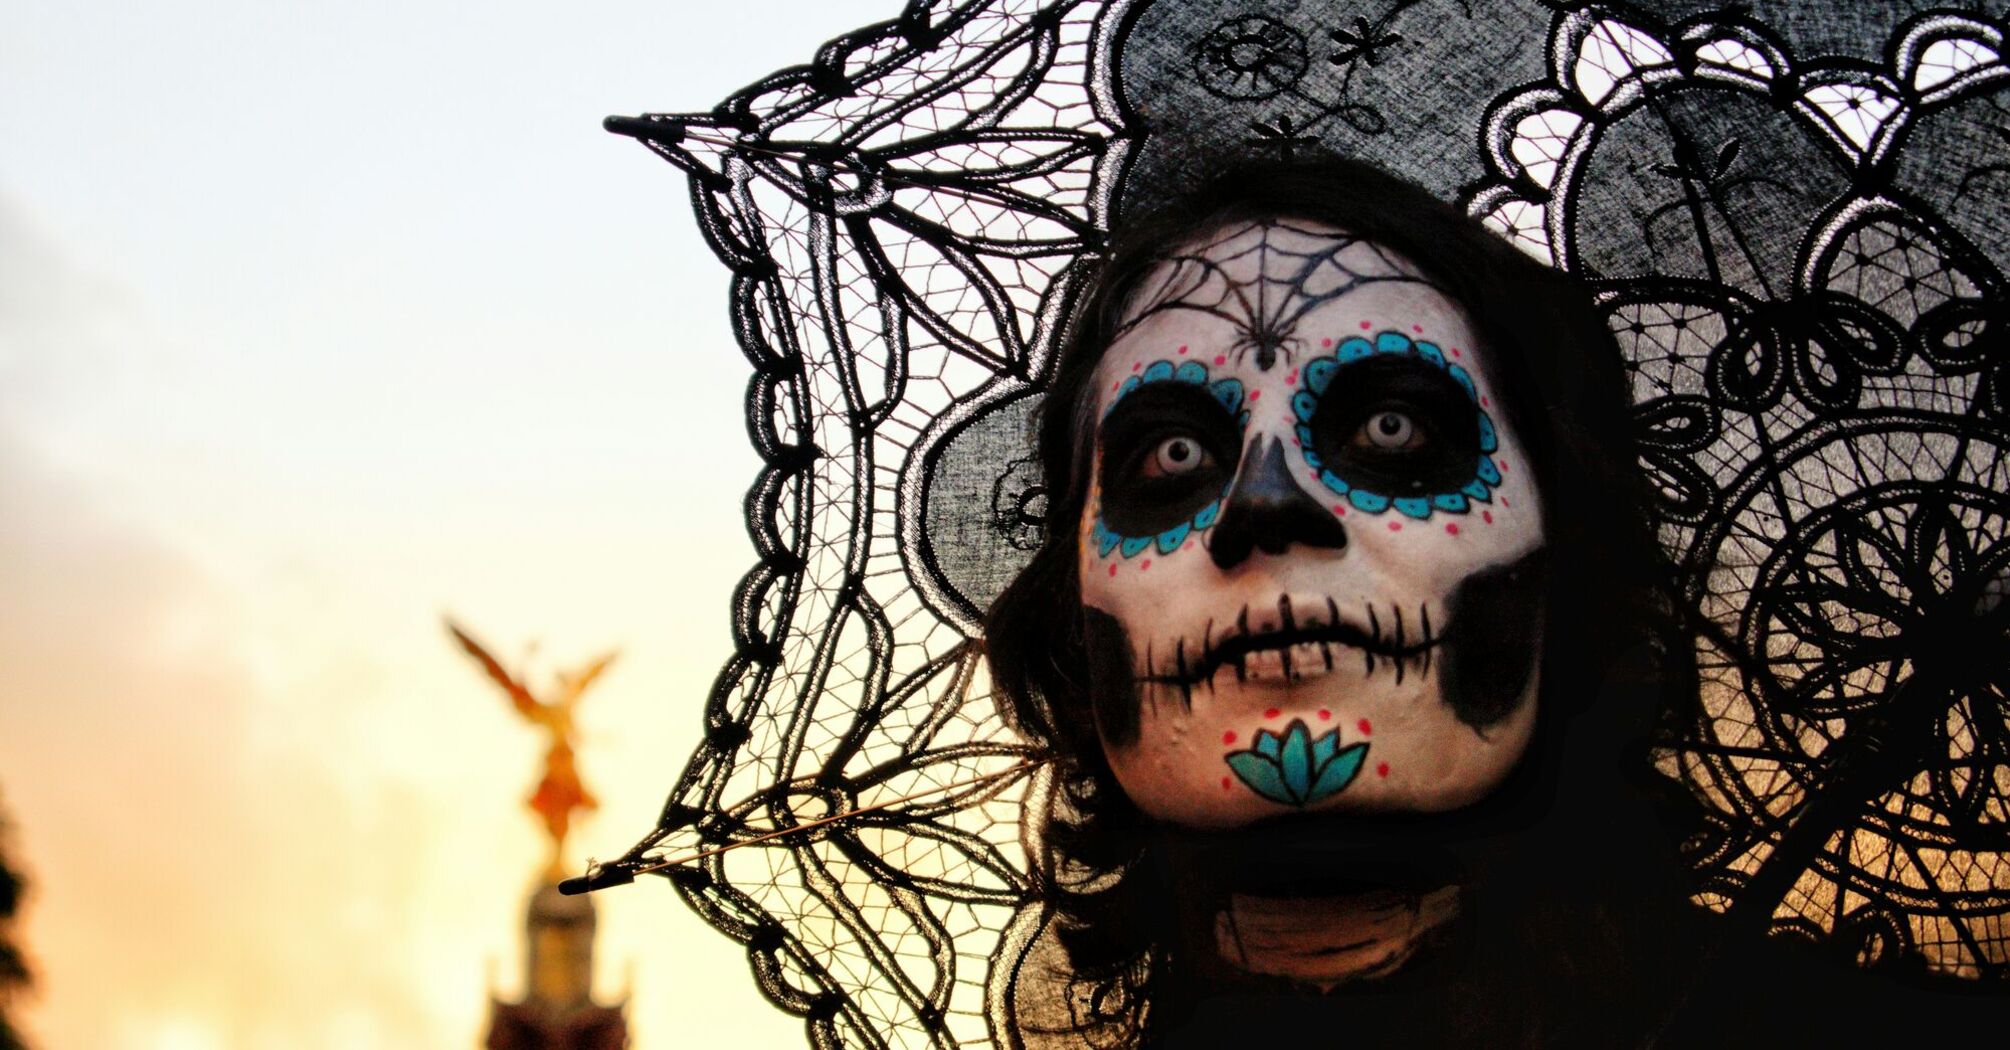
x=1309, y=533
x=1347, y=635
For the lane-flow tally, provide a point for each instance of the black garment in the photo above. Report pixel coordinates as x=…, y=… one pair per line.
x=1692, y=986
x=1575, y=929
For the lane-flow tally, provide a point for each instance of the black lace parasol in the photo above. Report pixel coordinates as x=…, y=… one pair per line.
x=1793, y=215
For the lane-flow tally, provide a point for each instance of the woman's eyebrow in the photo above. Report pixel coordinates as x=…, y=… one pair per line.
x=1161, y=403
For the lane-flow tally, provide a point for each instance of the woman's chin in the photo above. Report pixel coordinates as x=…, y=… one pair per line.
x=1261, y=748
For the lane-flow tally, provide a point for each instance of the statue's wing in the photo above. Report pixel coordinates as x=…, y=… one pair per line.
x=520, y=697
x=575, y=683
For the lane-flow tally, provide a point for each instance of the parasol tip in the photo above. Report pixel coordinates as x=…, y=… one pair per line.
x=597, y=877
x=645, y=129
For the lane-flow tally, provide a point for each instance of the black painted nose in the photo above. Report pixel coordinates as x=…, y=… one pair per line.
x=1268, y=510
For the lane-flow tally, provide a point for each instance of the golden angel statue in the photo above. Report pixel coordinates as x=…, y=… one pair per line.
x=560, y=791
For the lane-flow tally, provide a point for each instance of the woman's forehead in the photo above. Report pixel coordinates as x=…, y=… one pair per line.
x=1283, y=252
x=1254, y=298
x=1258, y=289
x=1370, y=308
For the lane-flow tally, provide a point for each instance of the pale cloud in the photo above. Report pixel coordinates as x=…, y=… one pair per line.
x=264, y=802
x=314, y=325
x=182, y=875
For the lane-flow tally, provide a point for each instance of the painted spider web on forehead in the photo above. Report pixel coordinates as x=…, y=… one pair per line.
x=1265, y=288
x=1792, y=217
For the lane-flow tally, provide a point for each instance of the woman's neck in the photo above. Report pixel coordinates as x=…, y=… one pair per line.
x=1326, y=941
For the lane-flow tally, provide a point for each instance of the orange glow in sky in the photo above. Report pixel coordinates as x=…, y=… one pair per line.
x=316, y=325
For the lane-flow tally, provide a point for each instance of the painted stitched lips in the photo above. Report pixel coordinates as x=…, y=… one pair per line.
x=1296, y=769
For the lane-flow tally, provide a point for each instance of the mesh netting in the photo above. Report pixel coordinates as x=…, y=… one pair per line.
x=1792, y=216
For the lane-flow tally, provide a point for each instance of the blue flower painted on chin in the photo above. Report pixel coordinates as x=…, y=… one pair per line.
x=1319, y=374
x=1229, y=392
x=1296, y=769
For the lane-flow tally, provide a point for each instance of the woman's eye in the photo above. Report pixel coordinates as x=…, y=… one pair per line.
x=1390, y=431
x=1174, y=457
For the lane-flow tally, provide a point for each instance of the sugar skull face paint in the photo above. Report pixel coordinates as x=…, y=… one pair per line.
x=1310, y=559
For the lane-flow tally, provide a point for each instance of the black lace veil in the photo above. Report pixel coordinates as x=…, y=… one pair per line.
x=1792, y=214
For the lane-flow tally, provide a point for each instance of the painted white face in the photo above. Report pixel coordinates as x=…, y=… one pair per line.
x=1311, y=553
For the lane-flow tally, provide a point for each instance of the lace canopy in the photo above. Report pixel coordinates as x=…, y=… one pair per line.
x=1792, y=215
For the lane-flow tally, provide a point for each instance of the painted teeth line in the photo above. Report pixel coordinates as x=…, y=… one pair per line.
x=1395, y=647
x=1286, y=626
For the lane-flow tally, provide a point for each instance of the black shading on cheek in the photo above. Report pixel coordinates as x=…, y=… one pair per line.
x=1113, y=690
x=1496, y=625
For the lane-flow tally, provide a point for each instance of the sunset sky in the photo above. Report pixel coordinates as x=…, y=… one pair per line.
x=318, y=322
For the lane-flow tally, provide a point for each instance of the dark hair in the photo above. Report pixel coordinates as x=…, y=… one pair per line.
x=1564, y=391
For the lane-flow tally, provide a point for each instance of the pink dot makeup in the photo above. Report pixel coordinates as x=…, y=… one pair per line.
x=1326, y=605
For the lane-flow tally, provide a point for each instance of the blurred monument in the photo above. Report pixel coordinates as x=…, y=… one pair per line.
x=557, y=1011
x=14, y=975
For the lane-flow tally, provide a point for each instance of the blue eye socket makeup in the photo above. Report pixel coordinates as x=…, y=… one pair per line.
x=1390, y=423
x=1386, y=423
x=1170, y=443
